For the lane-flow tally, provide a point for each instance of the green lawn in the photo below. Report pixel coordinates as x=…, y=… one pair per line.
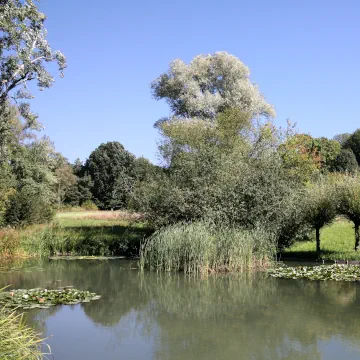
x=337, y=243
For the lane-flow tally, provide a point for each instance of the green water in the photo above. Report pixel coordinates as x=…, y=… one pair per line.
x=155, y=316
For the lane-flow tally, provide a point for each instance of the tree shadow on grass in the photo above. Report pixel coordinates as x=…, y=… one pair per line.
x=310, y=255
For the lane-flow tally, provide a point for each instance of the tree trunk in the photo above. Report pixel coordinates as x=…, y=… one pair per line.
x=318, y=239
x=357, y=237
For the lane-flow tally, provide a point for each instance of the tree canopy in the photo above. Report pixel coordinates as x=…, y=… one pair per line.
x=209, y=85
x=111, y=168
x=353, y=143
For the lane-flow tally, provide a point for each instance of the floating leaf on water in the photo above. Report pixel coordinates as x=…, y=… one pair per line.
x=320, y=273
x=44, y=298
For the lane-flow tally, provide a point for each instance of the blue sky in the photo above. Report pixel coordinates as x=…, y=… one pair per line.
x=304, y=55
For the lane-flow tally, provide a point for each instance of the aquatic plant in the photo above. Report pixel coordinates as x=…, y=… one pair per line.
x=44, y=298
x=203, y=247
x=18, y=341
x=322, y=272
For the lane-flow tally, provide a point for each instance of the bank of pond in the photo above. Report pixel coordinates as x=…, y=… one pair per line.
x=221, y=285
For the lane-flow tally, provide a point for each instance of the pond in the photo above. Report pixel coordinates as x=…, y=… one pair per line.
x=171, y=316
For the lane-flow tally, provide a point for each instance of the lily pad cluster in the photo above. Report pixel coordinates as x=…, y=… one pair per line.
x=44, y=298
x=322, y=272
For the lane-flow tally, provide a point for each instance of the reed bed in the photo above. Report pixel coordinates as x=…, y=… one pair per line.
x=203, y=247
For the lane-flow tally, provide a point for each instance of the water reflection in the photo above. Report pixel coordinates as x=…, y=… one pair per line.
x=152, y=316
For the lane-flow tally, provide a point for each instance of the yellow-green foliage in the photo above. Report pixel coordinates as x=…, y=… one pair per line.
x=9, y=242
x=18, y=341
x=89, y=205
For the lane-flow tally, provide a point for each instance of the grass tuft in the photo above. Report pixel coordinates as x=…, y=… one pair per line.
x=17, y=340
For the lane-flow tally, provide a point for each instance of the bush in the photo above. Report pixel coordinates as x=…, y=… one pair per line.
x=28, y=207
x=345, y=162
x=202, y=247
x=89, y=205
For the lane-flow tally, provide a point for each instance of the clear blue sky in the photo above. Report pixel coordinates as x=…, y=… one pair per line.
x=304, y=55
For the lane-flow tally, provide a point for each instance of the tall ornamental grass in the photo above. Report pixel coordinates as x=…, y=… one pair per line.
x=202, y=247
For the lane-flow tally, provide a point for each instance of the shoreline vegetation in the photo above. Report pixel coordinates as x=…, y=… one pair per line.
x=202, y=247
x=101, y=233
x=17, y=340
x=120, y=234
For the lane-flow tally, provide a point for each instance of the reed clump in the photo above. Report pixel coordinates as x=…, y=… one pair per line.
x=17, y=340
x=203, y=247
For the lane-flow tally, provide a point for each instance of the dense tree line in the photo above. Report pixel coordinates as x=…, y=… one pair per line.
x=106, y=179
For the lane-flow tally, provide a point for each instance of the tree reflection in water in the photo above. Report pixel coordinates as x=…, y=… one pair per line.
x=219, y=317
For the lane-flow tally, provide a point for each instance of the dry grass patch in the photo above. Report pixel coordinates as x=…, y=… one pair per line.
x=100, y=215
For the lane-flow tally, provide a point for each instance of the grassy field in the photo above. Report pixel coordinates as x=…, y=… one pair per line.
x=337, y=243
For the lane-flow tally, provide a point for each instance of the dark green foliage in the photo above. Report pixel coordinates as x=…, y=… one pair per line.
x=80, y=192
x=353, y=143
x=111, y=168
x=328, y=151
x=342, y=138
x=30, y=196
x=28, y=207
x=345, y=162
x=144, y=170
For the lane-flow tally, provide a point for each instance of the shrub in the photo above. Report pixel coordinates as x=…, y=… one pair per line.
x=29, y=206
x=89, y=205
x=345, y=162
x=202, y=247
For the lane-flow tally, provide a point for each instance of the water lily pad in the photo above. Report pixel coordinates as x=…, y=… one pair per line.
x=44, y=298
x=322, y=272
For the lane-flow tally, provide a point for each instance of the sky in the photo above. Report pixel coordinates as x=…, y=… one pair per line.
x=303, y=54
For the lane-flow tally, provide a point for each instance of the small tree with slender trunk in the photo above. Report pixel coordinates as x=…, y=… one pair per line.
x=320, y=206
x=349, y=203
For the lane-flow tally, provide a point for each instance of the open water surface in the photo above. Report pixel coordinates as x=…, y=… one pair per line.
x=174, y=317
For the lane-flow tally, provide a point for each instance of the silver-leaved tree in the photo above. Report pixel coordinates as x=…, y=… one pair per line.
x=24, y=56
x=209, y=85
